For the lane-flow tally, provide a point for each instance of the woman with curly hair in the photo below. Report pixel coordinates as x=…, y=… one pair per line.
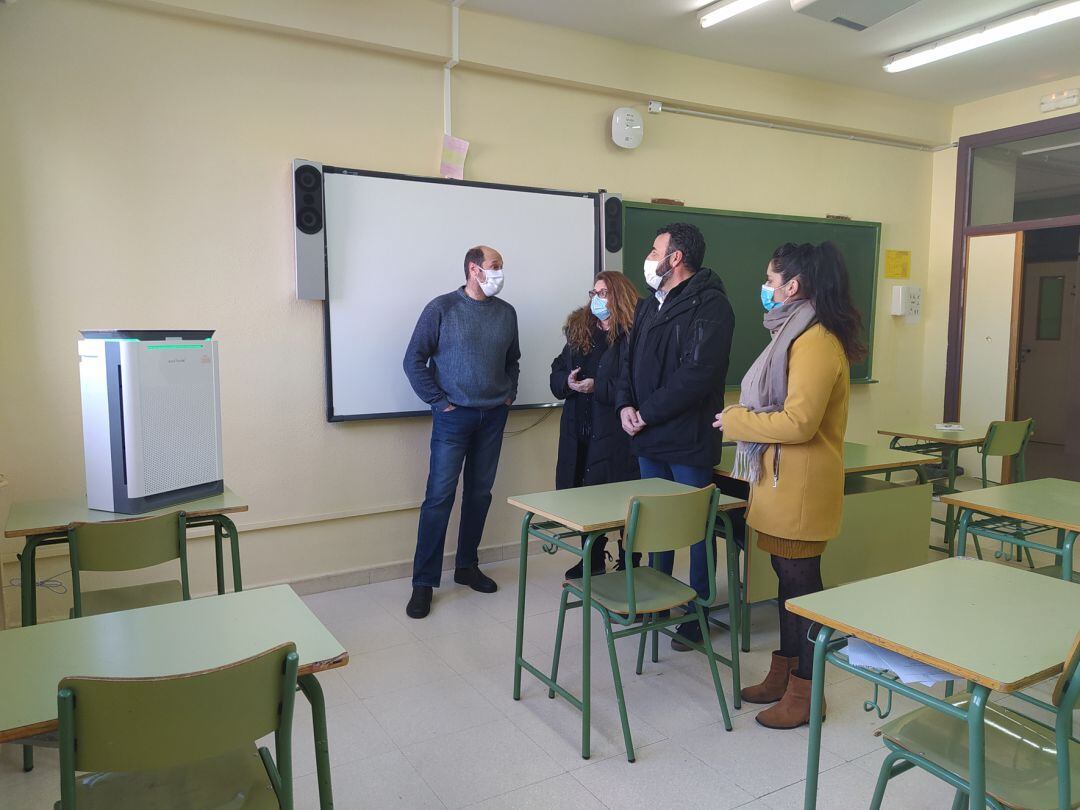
x=593, y=448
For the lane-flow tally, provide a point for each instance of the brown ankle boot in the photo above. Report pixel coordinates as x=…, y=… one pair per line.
x=793, y=710
x=775, y=684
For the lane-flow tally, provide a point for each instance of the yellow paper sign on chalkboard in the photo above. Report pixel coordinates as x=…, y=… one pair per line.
x=897, y=264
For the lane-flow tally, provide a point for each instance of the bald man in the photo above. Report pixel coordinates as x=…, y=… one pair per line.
x=463, y=362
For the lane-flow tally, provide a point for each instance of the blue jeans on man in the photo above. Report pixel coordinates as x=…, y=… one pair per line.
x=665, y=560
x=469, y=437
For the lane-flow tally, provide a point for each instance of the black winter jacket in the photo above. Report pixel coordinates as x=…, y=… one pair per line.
x=592, y=418
x=675, y=371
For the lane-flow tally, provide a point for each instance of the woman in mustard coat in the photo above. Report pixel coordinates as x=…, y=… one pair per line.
x=789, y=425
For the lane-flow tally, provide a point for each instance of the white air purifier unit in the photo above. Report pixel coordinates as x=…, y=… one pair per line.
x=151, y=418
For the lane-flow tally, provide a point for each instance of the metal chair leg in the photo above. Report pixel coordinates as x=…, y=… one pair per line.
x=558, y=640
x=641, y=643
x=884, y=775
x=617, y=677
x=706, y=641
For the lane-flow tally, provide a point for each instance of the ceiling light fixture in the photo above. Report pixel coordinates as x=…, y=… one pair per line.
x=718, y=12
x=1031, y=20
x=1057, y=148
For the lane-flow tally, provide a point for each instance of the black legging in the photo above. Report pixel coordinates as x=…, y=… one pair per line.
x=797, y=578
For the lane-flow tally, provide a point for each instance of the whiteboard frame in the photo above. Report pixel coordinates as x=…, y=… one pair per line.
x=328, y=365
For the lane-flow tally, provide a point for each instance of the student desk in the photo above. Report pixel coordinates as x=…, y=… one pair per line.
x=159, y=641
x=1049, y=502
x=1004, y=631
x=45, y=523
x=945, y=443
x=883, y=528
x=589, y=512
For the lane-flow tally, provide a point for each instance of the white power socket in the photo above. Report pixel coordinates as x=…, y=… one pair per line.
x=907, y=301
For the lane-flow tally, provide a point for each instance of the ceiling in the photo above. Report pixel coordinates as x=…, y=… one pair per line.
x=773, y=37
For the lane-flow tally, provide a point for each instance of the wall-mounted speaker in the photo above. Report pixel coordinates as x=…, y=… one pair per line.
x=309, y=237
x=611, y=231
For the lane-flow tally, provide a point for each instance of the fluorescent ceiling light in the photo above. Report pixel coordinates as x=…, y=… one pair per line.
x=1050, y=149
x=1031, y=20
x=718, y=12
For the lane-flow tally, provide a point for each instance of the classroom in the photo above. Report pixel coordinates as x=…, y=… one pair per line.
x=509, y=404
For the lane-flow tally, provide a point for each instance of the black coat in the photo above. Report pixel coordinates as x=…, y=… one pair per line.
x=593, y=448
x=675, y=371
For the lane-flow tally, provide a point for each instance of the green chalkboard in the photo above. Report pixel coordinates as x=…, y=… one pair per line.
x=738, y=247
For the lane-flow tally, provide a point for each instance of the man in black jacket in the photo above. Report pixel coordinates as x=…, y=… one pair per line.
x=673, y=376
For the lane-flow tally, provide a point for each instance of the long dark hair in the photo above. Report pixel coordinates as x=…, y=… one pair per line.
x=824, y=278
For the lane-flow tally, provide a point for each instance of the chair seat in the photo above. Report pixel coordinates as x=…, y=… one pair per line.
x=1021, y=761
x=234, y=781
x=1055, y=572
x=112, y=600
x=653, y=591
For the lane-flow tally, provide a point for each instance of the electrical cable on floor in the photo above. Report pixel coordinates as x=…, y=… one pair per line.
x=51, y=584
x=511, y=433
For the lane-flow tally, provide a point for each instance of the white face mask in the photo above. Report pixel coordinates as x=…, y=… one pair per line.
x=651, y=278
x=494, y=284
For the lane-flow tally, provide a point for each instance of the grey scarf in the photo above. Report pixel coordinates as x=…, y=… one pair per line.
x=764, y=388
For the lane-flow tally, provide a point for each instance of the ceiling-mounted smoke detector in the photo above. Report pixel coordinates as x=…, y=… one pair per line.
x=857, y=15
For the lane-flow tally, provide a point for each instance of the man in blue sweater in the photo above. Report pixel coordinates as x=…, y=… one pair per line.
x=462, y=361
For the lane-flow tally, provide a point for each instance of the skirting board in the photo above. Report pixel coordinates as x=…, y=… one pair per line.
x=400, y=570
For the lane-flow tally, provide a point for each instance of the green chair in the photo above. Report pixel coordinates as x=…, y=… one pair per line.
x=1006, y=440
x=128, y=546
x=1029, y=765
x=640, y=599
x=182, y=741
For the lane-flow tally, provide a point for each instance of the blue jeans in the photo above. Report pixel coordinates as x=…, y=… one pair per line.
x=468, y=436
x=665, y=560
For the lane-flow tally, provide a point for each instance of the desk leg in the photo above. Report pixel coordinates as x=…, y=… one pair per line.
x=309, y=685
x=960, y=548
x=219, y=558
x=523, y=568
x=586, y=639
x=817, y=697
x=950, y=454
x=234, y=550
x=977, y=748
x=1067, y=556
x=734, y=604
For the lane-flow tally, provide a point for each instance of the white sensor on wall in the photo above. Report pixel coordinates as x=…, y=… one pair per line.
x=627, y=128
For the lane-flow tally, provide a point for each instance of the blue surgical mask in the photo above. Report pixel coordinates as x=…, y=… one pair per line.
x=598, y=307
x=767, y=300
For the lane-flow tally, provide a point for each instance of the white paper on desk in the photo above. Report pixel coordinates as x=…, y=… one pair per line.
x=948, y=426
x=908, y=670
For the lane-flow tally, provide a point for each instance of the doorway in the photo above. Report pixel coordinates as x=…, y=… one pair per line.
x=1048, y=355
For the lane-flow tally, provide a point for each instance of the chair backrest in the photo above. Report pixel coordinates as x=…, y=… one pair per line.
x=138, y=724
x=1007, y=440
x=1069, y=673
x=670, y=522
x=127, y=545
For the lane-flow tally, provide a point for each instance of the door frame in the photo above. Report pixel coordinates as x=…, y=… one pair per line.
x=962, y=232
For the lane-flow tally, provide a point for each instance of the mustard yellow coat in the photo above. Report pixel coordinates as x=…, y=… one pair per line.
x=806, y=502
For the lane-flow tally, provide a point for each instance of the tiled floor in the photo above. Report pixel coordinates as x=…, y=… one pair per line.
x=422, y=718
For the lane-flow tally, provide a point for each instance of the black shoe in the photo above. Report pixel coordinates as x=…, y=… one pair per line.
x=599, y=561
x=621, y=564
x=691, y=631
x=419, y=603
x=475, y=579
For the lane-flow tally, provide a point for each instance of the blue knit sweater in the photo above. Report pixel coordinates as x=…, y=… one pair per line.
x=464, y=352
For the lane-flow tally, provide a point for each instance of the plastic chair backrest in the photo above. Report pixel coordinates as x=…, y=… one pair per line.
x=1007, y=438
x=1067, y=674
x=670, y=522
x=129, y=544
x=136, y=724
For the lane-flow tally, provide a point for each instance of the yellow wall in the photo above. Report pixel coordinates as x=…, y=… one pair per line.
x=148, y=186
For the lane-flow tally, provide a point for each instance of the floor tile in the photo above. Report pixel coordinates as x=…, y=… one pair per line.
x=431, y=710
x=502, y=759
